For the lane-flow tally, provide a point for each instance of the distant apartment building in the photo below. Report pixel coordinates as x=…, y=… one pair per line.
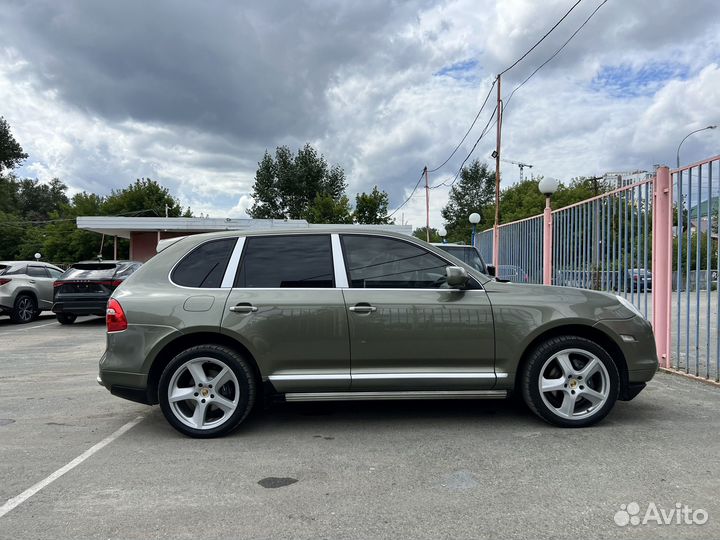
x=618, y=179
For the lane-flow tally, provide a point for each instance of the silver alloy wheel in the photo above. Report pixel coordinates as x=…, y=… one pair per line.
x=203, y=393
x=25, y=309
x=574, y=384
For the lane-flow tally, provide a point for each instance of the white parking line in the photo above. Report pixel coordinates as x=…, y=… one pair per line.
x=25, y=495
x=31, y=327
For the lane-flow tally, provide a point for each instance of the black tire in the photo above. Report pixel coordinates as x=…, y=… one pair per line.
x=24, y=309
x=245, y=390
x=66, y=318
x=549, y=405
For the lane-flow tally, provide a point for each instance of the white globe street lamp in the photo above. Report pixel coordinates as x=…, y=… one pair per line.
x=442, y=232
x=474, y=219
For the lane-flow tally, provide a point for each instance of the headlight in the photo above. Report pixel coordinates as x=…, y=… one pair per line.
x=629, y=305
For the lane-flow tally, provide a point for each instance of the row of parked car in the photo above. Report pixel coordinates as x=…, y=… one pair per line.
x=27, y=288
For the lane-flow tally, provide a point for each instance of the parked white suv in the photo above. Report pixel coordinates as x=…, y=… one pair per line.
x=26, y=289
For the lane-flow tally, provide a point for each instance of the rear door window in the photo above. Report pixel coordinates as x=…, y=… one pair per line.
x=54, y=273
x=297, y=261
x=205, y=265
x=37, y=271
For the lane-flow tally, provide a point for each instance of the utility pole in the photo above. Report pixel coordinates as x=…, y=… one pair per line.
x=496, y=230
x=427, y=205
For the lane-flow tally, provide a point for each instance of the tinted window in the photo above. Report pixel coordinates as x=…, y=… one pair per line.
x=377, y=262
x=37, y=271
x=205, y=265
x=286, y=261
x=468, y=255
x=13, y=270
x=54, y=273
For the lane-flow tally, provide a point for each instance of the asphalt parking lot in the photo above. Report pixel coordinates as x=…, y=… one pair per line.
x=460, y=469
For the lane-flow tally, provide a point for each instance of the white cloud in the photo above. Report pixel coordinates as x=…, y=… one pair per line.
x=196, y=112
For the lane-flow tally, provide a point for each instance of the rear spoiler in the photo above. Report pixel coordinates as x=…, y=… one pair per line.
x=166, y=243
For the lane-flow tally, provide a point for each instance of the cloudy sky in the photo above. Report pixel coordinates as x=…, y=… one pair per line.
x=193, y=93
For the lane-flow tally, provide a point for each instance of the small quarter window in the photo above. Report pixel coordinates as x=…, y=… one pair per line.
x=205, y=265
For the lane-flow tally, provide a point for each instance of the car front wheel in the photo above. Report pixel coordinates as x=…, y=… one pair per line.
x=207, y=391
x=570, y=381
x=24, y=310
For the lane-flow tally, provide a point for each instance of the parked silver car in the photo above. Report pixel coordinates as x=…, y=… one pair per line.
x=26, y=289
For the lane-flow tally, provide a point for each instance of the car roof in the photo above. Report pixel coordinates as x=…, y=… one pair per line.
x=42, y=263
x=438, y=244
x=105, y=262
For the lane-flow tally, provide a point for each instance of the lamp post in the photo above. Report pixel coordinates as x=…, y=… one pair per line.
x=442, y=232
x=474, y=219
x=547, y=187
x=677, y=156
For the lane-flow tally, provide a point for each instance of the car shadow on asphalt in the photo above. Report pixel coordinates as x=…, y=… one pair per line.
x=288, y=419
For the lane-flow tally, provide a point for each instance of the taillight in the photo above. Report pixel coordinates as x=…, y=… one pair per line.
x=57, y=284
x=3, y=281
x=115, y=317
x=116, y=282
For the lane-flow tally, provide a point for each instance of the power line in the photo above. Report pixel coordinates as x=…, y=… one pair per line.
x=468, y=131
x=531, y=49
x=484, y=132
x=493, y=86
x=410, y=197
x=554, y=54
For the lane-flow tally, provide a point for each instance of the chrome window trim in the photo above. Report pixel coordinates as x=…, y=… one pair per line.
x=341, y=278
x=229, y=277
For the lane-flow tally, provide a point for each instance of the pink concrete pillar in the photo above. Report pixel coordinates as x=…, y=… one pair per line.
x=662, y=263
x=496, y=245
x=547, y=243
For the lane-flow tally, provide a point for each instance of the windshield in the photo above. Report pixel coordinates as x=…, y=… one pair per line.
x=90, y=271
x=467, y=254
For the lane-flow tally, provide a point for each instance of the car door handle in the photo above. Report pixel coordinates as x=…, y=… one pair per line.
x=31, y=281
x=243, y=308
x=362, y=308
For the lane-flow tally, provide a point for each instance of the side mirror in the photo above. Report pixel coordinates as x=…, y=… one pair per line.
x=490, y=270
x=457, y=277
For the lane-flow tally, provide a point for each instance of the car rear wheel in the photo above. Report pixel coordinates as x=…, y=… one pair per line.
x=66, y=318
x=570, y=381
x=24, y=310
x=207, y=391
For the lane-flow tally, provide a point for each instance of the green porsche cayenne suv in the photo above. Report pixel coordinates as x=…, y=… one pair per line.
x=215, y=322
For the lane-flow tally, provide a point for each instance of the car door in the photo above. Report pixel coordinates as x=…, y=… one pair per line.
x=285, y=307
x=408, y=329
x=39, y=278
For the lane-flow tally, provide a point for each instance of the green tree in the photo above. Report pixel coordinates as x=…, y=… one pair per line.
x=144, y=197
x=325, y=209
x=11, y=153
x=420, y=233
x=289, y=186
x=473, y=192
x=372, y=208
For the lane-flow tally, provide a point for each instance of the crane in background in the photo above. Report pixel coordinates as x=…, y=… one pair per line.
x=520, y=165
